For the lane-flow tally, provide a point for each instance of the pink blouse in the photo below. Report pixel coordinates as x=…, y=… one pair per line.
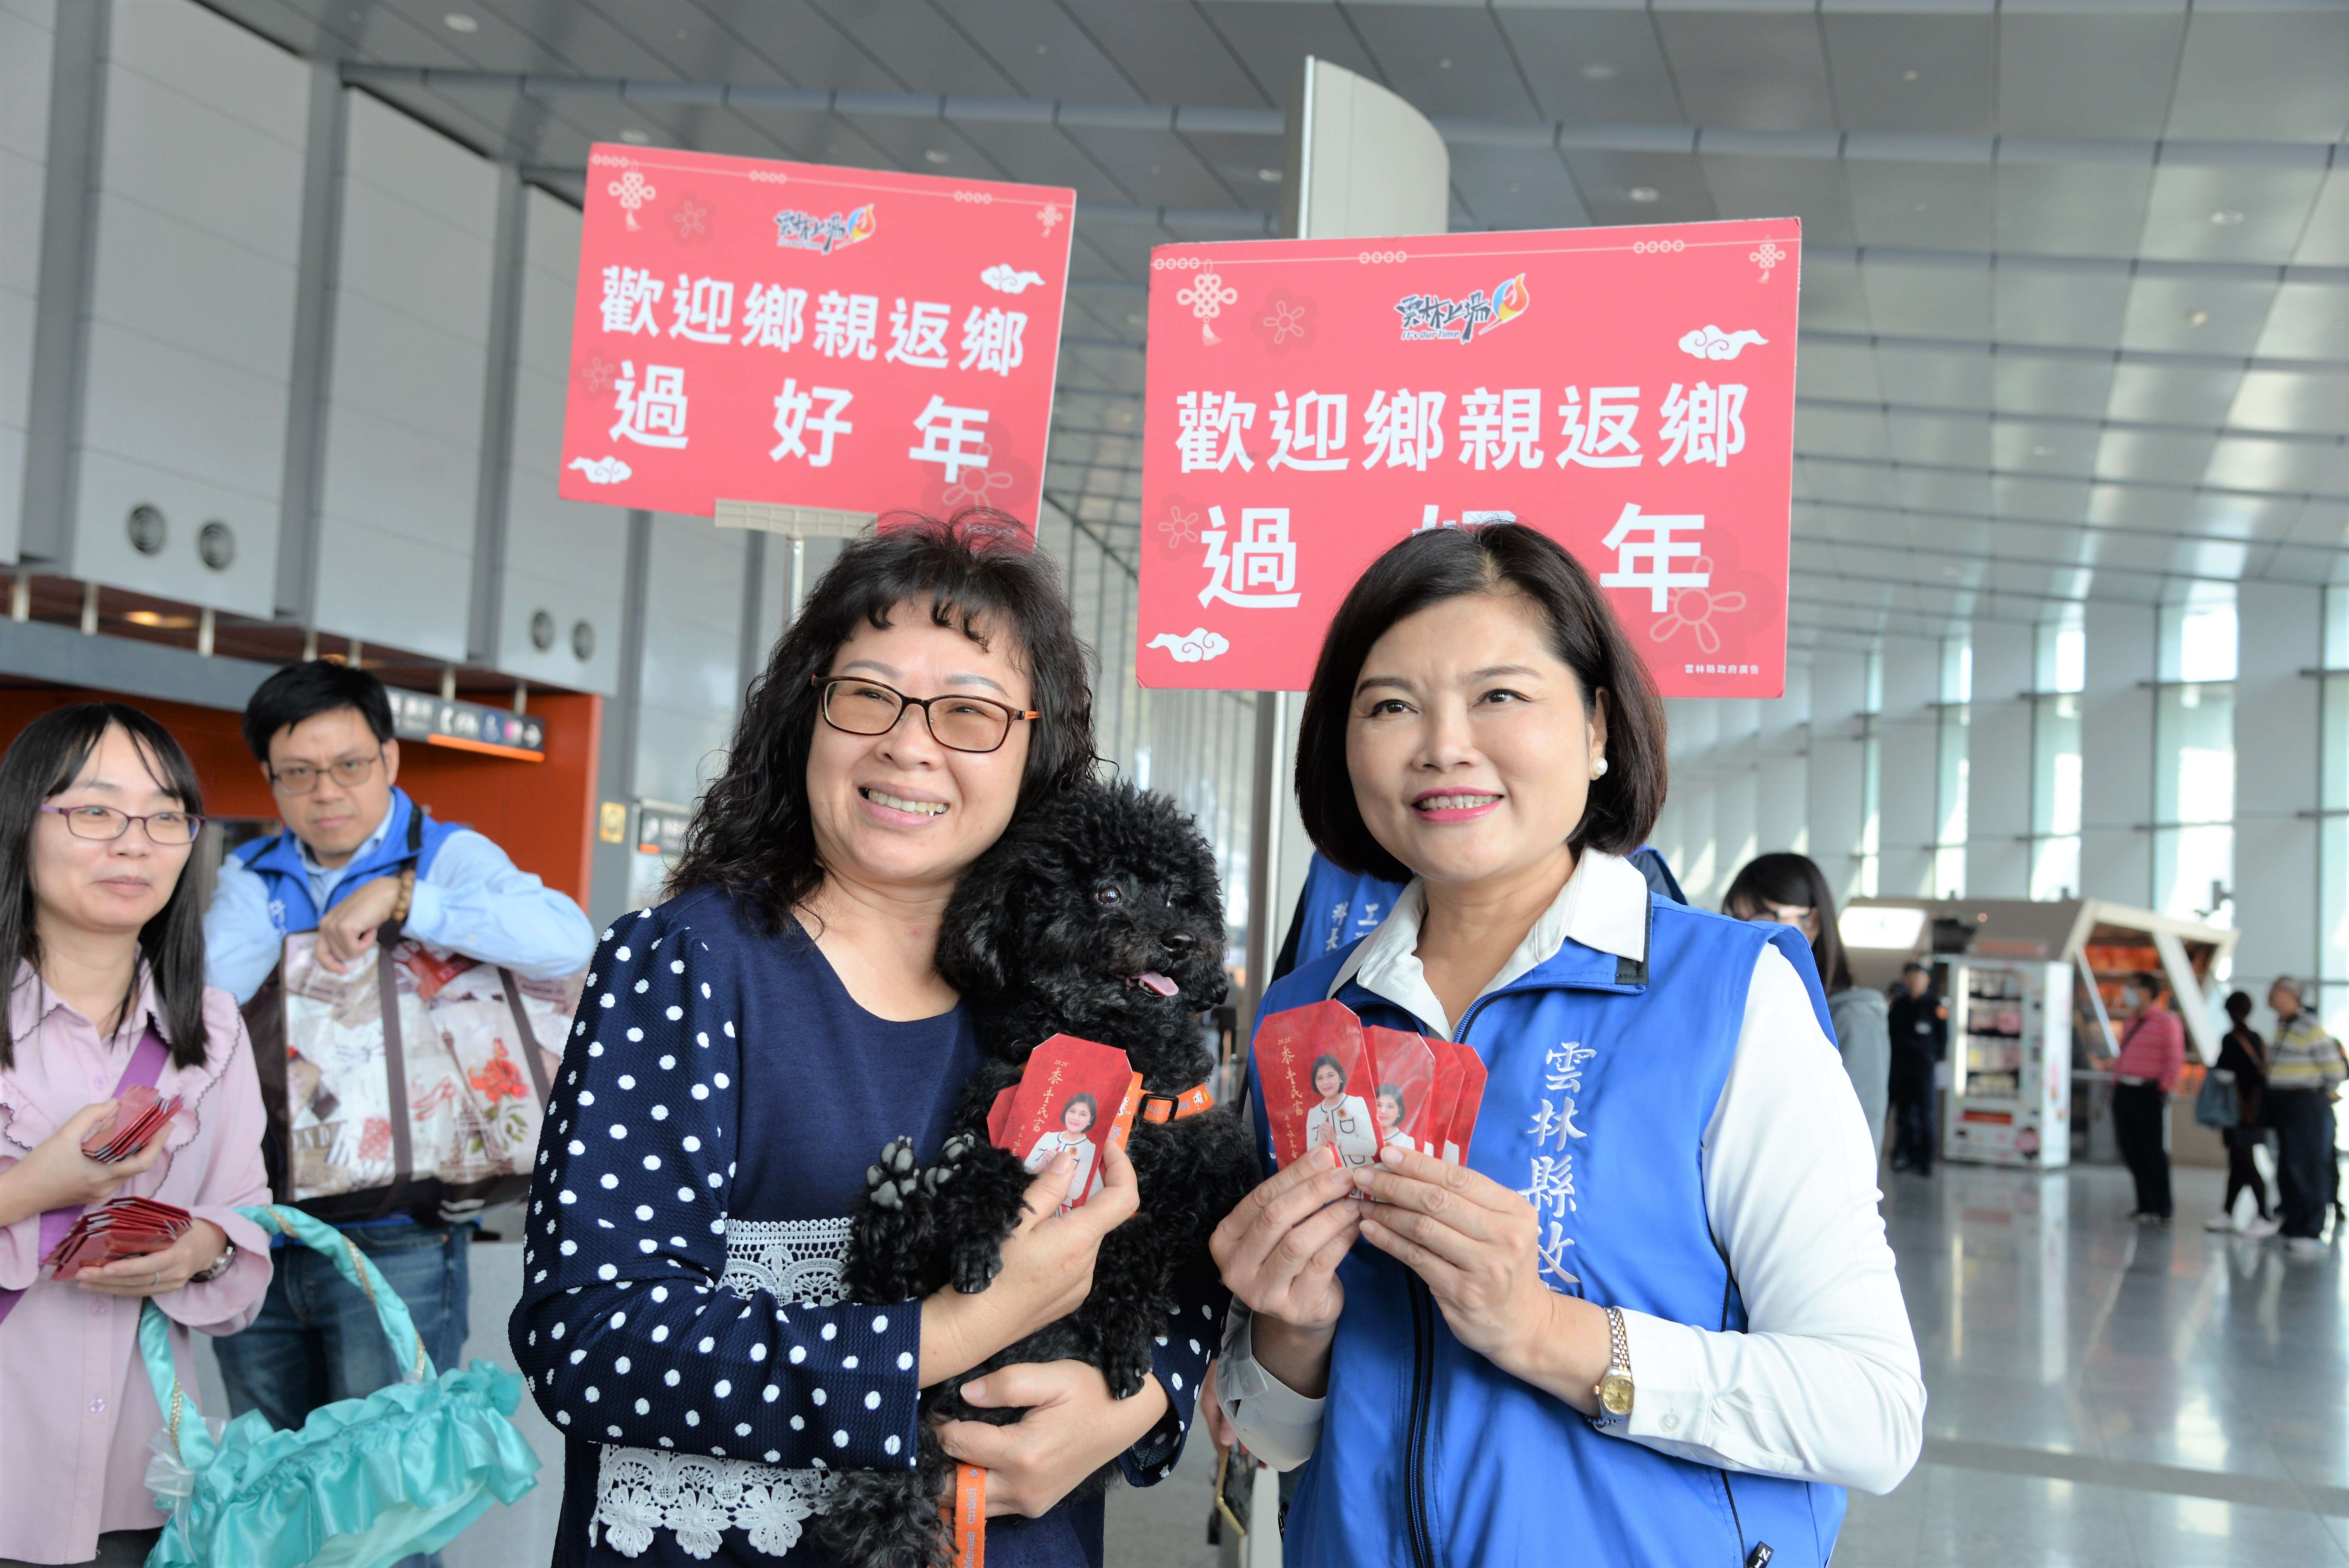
x=75, y=1406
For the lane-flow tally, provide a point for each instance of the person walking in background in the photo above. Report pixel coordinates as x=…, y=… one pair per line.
x=2245, y=1055
x=2305, y=1073
x=1918, y=1024
x=102, y=935
x=2151, y=1061
x=1790, y=889
x=357, y=852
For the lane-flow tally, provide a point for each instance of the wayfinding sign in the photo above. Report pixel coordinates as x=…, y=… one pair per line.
x=1629, y=391
x=838, y=339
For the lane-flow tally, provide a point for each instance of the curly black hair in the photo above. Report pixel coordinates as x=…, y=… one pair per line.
x=751, y=834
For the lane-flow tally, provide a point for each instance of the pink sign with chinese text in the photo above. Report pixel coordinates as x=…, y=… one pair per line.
x=747, y=329
x=1631, y=392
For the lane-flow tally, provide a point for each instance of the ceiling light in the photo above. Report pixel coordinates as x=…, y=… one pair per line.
x=458, y=22
x=1513, y=187
x=2197, y=317
x=1598, y=72
x=1644, y=193
x=1270, y=176
x=2043, y=451
x=1908, y=76
x=1044, y=48
x=2225, y=216
x=933, y=155
x=1444, y=64
x=635, y=138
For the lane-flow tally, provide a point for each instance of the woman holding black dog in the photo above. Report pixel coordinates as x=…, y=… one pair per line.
x=1654, y=1319
x=740, y=1052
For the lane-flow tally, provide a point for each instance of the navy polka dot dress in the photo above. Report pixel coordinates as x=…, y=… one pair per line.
x=681, y=1322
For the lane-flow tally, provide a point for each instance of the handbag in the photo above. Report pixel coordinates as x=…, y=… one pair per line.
x=2218, y=1104
x=364, y=1482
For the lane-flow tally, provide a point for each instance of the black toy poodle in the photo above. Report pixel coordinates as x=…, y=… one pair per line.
x=1097, y=915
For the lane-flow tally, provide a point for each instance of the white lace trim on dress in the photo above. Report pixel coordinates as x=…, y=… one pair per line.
x=695, y=1497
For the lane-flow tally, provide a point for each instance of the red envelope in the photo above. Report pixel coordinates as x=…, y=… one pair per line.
x=123, y=1228
x=1442, y=1100
x=1472, y=1098
x=1074, y=1094
x=1314, y=1067
x=1402, y=1076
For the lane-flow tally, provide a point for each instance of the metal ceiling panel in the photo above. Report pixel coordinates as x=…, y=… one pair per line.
x=1811, y=188
x=1926, y=301
x=1751, y=70
x=1611, y=184
x=920, y=47
x=1953, y=377
x=1931, y=206
x=2238, y=214
x=2044, y=384
x=2171, y=459
x=2322, y=524
x=1961, y=440
x=1834, y=298
x=2282, y=76
x=2041, y=502
x=2308, y=321
x=1243, y=162
x=1272, y=41
x=2136, y=507
x=2199, y=396
x=669, y=41
x=2083, y=309
x=2100, y=75
x=1590, y=66
x=815, y=137
x=794, y=40
x=498, y=123
x=1175, y=54
x=1043, y=154
x=2326, y=243
x=1854, y=484
x=926, y=145
x=1157, y=166
x=2292, y=400
x=499, y=43
x=1446, y=59
x=1837, y=370
x=2071, y=209
x=1934, y=489
x=1517, y=188
x=1118, y=251
x=1840, y=432
x=1043, y=49
x=1911, y=72
x=2244, y=517
x=2044, y=446
x=2198, y=315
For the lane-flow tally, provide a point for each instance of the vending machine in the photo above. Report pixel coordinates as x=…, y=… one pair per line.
x=2010, y=1100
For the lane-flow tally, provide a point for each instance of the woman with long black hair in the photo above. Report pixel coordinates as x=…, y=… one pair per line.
x=1788, y=889
x=104, y=939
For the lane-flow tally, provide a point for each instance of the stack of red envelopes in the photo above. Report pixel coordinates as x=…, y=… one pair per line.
x=1075, y=1095
x=140, y=1114
x=121, y=1228
x=1329, y=1082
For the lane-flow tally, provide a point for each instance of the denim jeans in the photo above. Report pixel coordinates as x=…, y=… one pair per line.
x=318, y=1340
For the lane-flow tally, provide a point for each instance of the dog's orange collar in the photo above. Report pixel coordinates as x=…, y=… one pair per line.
x=1176, y=1107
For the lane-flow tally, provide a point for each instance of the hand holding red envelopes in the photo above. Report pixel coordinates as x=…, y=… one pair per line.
x=124, y=1228
x=1330, y=1082
x=1074, y=1095
x=140, y=1116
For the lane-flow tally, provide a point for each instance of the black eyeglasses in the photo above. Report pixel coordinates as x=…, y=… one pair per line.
x=104, y=823
x=300, y=778
x=857, y=707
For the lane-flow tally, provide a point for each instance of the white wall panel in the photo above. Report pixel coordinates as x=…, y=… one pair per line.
x=27, y=29
x=1781, y=811
x=2276, y=781
x=1837, y=768
x=1737, y=762
x=404, y=403
x=1911, y=761
x=1998, y=773
x=191, y=302
x=2116, y=754
x=693, y=616
x=568, y=558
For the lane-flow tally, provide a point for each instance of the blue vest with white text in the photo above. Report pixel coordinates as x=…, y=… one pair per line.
x=277, y=860
x=1604, y=1075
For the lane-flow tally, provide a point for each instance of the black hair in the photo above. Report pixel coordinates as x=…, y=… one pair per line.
x=2151, y=984
x=1389, y=1092
x=1445, y=564
x=1326, y=1059
x=1794, y=881
x=1919, y=967
x=751, y=834
x=2238, y=1005
x=1092, y=1107
x=304, y=691
x=43, y=761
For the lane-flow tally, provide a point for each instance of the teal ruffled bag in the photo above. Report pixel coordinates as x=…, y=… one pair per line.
x=365, y=1482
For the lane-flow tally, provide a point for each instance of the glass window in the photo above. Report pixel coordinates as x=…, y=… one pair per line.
x=1950, y=769
x=1871, y=758
x=2194, y=758
x=2059, y=660
x=2332, y=820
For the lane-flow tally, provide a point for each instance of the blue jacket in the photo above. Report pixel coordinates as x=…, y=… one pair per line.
x=1604, y=1076
x=277, y=860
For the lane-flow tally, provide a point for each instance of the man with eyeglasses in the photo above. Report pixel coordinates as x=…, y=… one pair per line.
x=322, y=734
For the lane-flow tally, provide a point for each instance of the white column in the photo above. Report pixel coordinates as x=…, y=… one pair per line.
x=1912, y=732
x=2117, y=753
x=1834, y=790
x=1998, y=758
x=2276, y=780
x=1780, y=818
x=1696, y=734
x=1737, y=774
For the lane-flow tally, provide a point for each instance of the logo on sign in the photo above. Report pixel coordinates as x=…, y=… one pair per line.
x=1431, y=318
x=796, y=231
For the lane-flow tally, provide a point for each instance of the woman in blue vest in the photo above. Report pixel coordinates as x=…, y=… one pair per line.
x=1654, y=1319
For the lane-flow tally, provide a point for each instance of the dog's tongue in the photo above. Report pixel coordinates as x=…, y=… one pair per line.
x=1159, y=982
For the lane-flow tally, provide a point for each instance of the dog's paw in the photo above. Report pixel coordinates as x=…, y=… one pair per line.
x=889, y=1183
x=1126, y=1371
x=976, y=1261
x=950, y=1157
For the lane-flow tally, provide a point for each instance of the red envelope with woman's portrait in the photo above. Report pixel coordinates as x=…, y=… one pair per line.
x=1315, y=1069
x=1074, y=1095
x=1402, y=1078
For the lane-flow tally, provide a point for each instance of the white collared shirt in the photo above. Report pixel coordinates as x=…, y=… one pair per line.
x=1824, y=1382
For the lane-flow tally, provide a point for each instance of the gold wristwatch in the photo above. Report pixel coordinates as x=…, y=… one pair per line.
x=1615, y=1390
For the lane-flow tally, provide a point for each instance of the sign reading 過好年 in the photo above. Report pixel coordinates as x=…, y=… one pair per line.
x=854, y=340
x=1631, y=392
